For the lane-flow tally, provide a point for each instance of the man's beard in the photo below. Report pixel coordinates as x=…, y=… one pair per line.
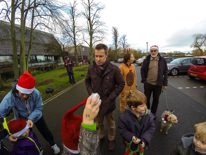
x=154, y=55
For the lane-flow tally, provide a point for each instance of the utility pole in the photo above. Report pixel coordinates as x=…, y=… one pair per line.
x=147, y=46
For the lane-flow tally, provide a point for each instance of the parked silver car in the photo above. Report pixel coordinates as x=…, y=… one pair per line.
x=140, y=61
x=179, y=65
x=120, y=60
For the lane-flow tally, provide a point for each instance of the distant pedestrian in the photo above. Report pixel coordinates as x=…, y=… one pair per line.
x=27, y=104
x=68, y=63
x=192, y=143
x=105, y=79
x=136, y=122
x=129, y=74
x=154, y=76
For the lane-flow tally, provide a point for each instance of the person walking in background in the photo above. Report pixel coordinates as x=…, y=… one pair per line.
x=68, y=63
x=154, y=76
x=129, y=74
x=27, y=104
x=105, y=79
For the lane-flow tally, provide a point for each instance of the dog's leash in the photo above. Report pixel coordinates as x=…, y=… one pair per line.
x=164, y=92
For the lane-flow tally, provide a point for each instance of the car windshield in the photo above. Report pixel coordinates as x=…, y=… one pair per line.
x=176, y=61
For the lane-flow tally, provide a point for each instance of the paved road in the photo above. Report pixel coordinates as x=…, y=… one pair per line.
x=189, y=107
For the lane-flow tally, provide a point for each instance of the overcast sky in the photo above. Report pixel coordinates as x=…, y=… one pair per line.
x=168, y=24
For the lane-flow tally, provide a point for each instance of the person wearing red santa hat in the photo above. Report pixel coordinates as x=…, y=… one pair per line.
x=80, y=134
x=27, y=104
x=27, y=142
x=154, y=76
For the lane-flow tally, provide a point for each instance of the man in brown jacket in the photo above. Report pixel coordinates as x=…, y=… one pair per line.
x=105, y=79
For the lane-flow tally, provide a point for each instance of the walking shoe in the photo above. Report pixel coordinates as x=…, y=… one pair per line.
x=41, y=153
x=101, y=141
x=154, y=116
x=56, y=149
x=111, y=145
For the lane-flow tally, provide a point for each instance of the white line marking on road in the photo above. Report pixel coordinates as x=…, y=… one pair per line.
x=180, y=76
x=201, y=86
x=187, y=87
x=185, y=76
x=194, y=87
x=175, y=76
x=179, y=87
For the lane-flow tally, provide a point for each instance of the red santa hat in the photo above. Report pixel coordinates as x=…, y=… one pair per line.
x=154, y=47
x=18, y=127
x=26, y=83
x=70, y=129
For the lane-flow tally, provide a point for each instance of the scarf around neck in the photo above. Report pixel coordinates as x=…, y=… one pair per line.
x=102, y=67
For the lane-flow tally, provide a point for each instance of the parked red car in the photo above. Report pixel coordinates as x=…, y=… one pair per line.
x=198, y=68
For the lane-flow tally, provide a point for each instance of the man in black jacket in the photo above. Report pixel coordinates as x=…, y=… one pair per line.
x=105, y=79
x=154, y=76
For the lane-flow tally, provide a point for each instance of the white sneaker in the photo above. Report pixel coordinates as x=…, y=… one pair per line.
x=41, y=153
x=56, y=149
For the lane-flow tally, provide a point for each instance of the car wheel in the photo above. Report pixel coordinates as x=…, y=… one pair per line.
x=174, y=72
x=140, y=64
x=191, y=77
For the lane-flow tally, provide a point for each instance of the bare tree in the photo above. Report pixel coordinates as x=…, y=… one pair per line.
x=115, y=37
x=199, y=42
x=123, y=43
x=71, y=27
x=94, y=27
x=9, y=12
x=30, y=14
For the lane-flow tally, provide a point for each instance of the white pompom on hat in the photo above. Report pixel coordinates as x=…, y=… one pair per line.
x=154, y=47
x=26, y=83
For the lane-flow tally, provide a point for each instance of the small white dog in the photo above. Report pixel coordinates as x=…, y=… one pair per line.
x=167, y=119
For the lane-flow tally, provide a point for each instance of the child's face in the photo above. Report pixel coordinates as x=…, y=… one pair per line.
x=141, y=108
x=199, y=144
x=25, y=134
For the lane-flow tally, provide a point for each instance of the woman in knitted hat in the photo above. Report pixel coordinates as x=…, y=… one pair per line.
x=129, y=74
x=27, y=104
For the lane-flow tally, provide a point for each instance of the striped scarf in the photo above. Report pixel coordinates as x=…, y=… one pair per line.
x=102, y=67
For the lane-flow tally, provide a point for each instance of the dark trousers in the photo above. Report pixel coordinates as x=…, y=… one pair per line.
x=156, y=91
x=71, y=76
x=3, y=149
x=44, y=130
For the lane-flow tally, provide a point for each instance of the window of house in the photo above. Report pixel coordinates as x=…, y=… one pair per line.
x=6, y=59
x=40, y=58
x=49, y=58
x=32, y=59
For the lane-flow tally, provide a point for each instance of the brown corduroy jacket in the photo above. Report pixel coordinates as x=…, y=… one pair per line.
x=108, y=85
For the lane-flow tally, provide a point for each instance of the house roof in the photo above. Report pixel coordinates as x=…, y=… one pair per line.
x=38, y=36
x=43, y=43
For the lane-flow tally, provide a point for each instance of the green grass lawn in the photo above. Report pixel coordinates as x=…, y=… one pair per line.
x=58, y=84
